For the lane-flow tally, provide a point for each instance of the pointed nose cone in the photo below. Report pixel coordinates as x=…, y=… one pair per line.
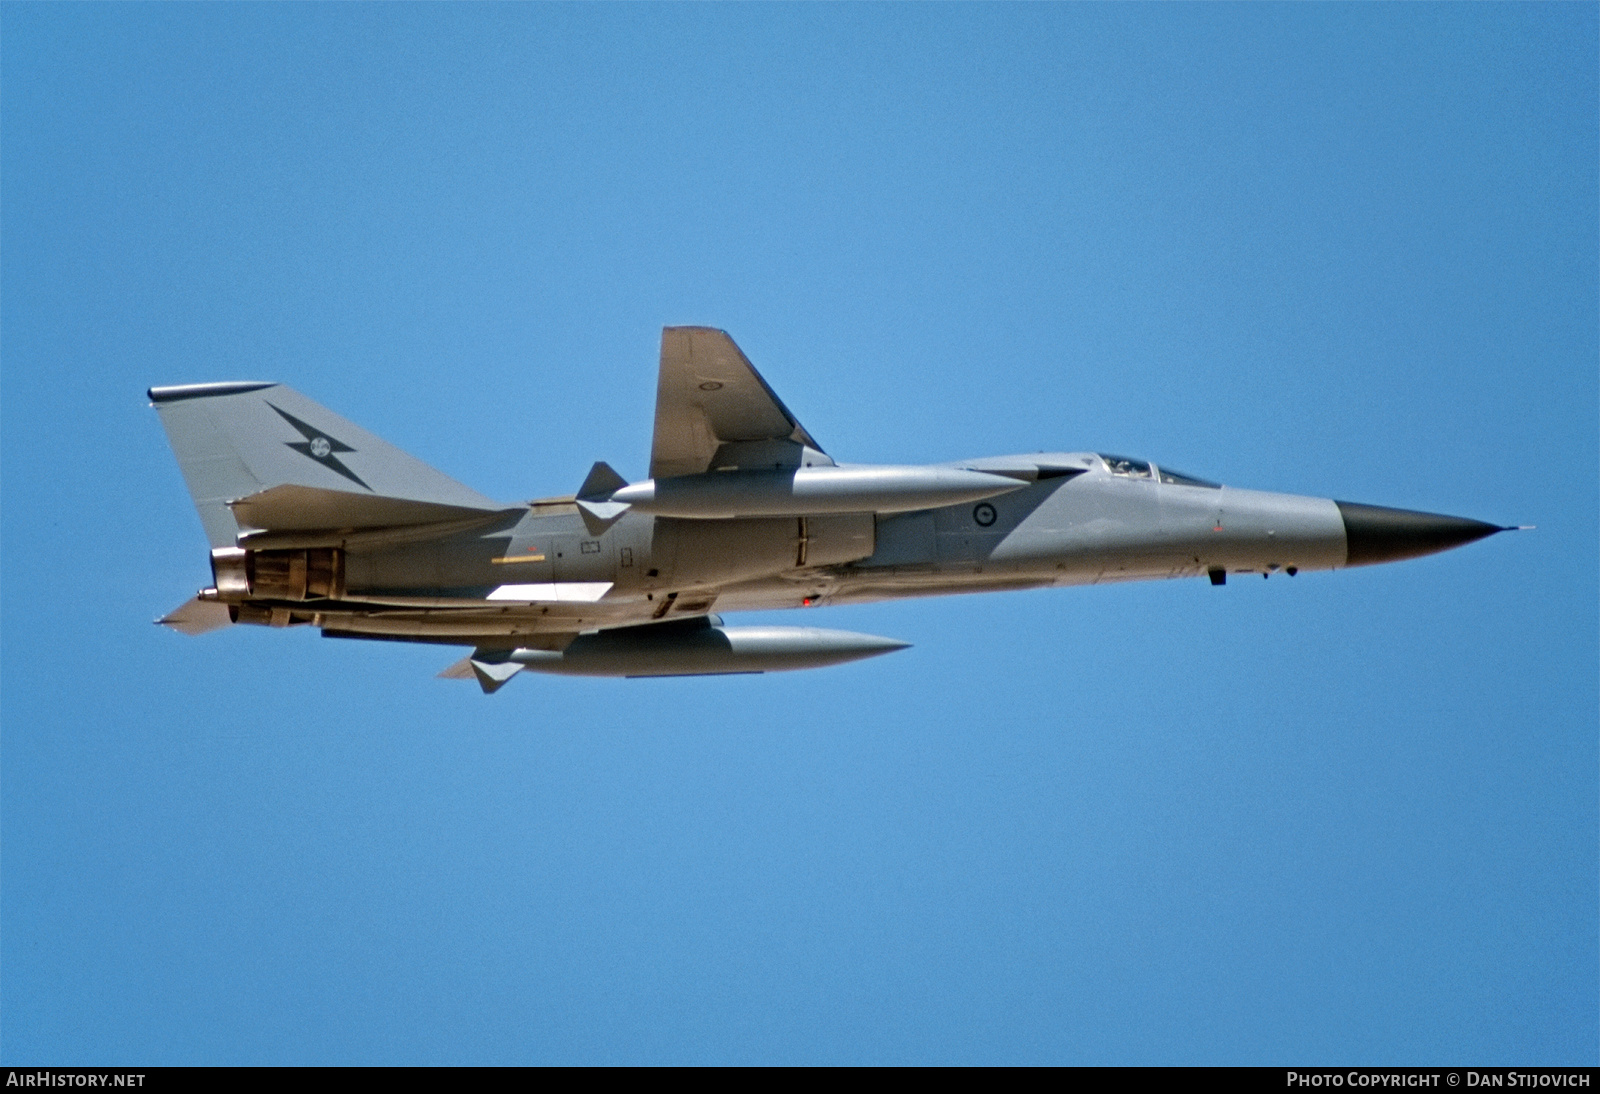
x=1374, y=534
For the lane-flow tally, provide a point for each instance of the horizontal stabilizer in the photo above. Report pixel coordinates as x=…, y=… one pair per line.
x=292, y=508
x=197, y=616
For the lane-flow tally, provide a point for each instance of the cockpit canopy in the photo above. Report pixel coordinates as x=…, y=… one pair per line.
x=1139, y=469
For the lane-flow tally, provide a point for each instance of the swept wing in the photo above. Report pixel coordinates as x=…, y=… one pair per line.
x=710, y=399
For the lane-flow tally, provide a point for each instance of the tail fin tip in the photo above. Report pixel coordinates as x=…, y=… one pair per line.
x=174, y=392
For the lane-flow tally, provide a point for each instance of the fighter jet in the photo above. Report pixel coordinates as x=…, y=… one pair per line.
x=313, y=521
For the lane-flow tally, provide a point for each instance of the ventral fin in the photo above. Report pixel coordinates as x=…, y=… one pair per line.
x=195, y=617
x=491, y=670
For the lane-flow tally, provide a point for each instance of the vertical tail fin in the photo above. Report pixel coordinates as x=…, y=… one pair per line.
x=233, y=440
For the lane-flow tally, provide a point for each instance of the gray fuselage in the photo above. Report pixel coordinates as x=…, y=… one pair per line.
x=313, y=520
x=1086, y=523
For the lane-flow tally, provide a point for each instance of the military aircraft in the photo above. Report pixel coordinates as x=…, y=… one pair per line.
x=314, y=521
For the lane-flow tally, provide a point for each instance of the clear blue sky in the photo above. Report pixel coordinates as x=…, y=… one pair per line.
x=1343, y=250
